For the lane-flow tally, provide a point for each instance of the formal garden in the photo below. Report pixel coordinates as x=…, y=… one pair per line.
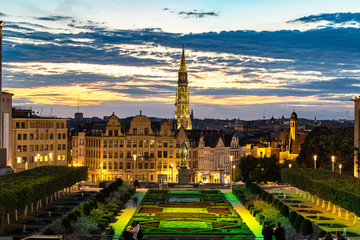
x=196, y=214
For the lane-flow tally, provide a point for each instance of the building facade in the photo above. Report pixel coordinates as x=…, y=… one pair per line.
x=37, y=141
x=144, y=150
x=356, y=100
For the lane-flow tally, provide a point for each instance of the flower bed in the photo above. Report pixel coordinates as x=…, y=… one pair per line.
x=212, y=215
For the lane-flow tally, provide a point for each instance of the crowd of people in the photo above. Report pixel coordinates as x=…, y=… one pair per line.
x=279, y=233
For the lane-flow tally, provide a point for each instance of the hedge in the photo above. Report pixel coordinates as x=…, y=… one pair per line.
x=26, y=187
x=340, y=189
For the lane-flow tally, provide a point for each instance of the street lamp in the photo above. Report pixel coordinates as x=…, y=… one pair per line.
x=50, y=158
x=340, y=166
x=231, y=159
x=172, y=168
x=134, y=166
x=333, y=163
x=315, y=161
x=101, y=173
x=290, y=165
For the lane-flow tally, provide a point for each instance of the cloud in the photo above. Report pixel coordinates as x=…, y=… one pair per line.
x=54, y=18
x=3, y=14
x=194, y=13
x=330, y=17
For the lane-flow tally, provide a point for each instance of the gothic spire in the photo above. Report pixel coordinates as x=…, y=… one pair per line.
x=183, y=64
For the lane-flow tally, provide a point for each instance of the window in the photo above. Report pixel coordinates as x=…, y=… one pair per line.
x=146, y=143
x=59, y=146
x=116, y=155
x=121, y=143
x=19, y=148
x=121, y=154
x=64, y=147
x=105, y=143
x=64, y=135
x=140, y=165
x=19, y=136
x=110, y=143
x=152, y=143
x=128, y=143
x=105, y=154
x=134, y=143
x=171, y=154
x=51, y=147
x=41, y=147
x=146, y=131
x=165, y=143
x=164, y=165
x=110, y=133
x=128, y=154
x=165, y=154
x=31, y=137
x=62, y=125
x=24, y=148
x=110, y=154
x=31, y=148
x=140, y=143
x=152, y=154
x=135, y=131
x=110, y=165
x=121, y=165
x=22, y=125
x=18, y=159
x=128, y=165
x=116, y=143
x=51, y=136
x=141, y=131
x=115, y=165
x=159, y=154
x=104, y=165
x=152, y=165
x=146, y=154
x=59, y=135
x=146, y=165
x=116, y=133
x=159, y=143
x=17, y=125
x=46, y=147
x=36, y=147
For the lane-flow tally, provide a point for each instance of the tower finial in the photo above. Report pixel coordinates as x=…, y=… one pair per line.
x=183, y=64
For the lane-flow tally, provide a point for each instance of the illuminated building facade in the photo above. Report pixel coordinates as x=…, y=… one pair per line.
x=356, y=100
x=182, y=102
x=37, y=141
x=136, y=149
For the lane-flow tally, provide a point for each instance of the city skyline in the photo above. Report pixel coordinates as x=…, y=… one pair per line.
x=244, y=59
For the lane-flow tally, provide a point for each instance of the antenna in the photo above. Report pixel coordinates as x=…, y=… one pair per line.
x=50, y=112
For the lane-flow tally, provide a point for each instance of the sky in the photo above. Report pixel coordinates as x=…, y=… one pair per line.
x=245, y=58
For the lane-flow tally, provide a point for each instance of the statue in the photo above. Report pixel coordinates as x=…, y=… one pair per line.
x=183, y=153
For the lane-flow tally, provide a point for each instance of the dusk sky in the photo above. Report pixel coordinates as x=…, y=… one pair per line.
x=245, y=58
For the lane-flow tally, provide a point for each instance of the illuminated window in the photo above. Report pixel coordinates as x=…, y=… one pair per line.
x=59, y=157
x=134, y=143
x=41, y=158
x=152, y=143
x=63, y=157
x=159, y=143
x=46, y=158
x=18, y=159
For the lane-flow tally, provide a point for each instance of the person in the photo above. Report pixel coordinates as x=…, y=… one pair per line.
x=135, y=201
x=328, y=236
x=267, y=231
x=132, y=231
x=322, y=234
x=339, y=236
x=109, y=233
x=140, y=233
x=279, y=232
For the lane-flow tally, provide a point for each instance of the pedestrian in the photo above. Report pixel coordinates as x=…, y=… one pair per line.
x=140, y=233
x=328, y=236
x=279, y=232
x=267, y=231
x=339, y=236
x=132, y=231
x=135, y=201
x=109, y=233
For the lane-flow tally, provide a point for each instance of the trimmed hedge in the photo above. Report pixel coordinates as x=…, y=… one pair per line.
x=292, y=217
x=297, y=224
x=284, y=210
x=306, y=227
x=26, y=187
x=340, y=189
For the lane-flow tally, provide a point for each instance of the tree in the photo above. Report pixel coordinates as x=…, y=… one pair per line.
x=267, y=169
x=325, y=143
x=247, y=164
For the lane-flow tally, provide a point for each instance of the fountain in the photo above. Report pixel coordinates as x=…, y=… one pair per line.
x=49, y=214
x=299, y=205
x=82, y=194
x=318, y=216
x=284, y=195
x=344, y=233
x=24, y=228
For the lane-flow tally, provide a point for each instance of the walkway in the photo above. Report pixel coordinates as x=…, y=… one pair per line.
x=125, y=216
x=247, y=218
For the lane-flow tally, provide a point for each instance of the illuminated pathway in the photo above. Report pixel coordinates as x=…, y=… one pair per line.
x=127, y=213
x=247, y=218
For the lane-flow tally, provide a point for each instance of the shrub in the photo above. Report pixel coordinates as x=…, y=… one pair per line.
x=269, y=198
x=78, y=213
x=86, y=209
x=299, y=219
x=248, y=183
x=92, y=204
x=72, y=216
x=85, y=223
x=65, y=223
x=257, y=189
x=274, y=202
x=105, y=191
x=284, y=210
x=292, y=217
x=49, y=231
x=306, y=227
x=279, y=205
x=263, y=195
x=100, y=197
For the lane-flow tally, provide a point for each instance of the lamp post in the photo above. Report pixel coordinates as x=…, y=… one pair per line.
x=315, y=161
x=340, y=166
x=333, y=163
x=50, y=158
x=101, y=173
x=172, y=169
x=134, y=166
x=231, y=159
x=290, y=165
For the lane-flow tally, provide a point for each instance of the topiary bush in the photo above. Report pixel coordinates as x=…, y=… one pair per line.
x=248, y=183
x=292, y=217
x=100, y=197
x=119, y=181
x=92, y=204
x=299, y=219
x=269, y=199
x=284, y=210
x=72, y=216
x=279, y=205
x=263, y=195
x=274, y=202
x=86, y=209
x=78, y=213
x=306, y=227
x=65, y=223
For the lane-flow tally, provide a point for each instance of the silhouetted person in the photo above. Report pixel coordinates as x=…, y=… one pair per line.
x=135, y=201
x=328, y=236
x=267, y=231
x=339, y=236
x=279, y=232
